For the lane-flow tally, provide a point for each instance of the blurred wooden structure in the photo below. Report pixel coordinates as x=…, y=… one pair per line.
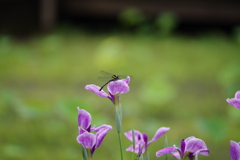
x=48, y=14
x=27, y=15
x=44, y=14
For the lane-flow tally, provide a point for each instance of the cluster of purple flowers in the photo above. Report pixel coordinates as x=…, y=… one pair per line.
x=89, y=140
x=141, y=139
x=234, y=146
x=190, y=147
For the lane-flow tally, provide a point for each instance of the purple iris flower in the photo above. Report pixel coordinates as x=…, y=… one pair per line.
x=190, y=147
x=235, y=150
x=141, y=139
x=84, y=120
x=114, y=88
x=87, y=139
x=235, y=101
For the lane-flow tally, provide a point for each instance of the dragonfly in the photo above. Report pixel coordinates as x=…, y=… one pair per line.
x=109, y=77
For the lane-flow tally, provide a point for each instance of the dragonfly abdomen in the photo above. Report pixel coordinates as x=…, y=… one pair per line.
x=114, y=78
x=104, y=85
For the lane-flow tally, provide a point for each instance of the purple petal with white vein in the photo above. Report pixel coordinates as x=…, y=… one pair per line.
x=176, y=155
x=159, y=133
x=100, y=136
x=118, y=86
x=234, y=150
x=204, y=152
x=237, y=95
x=81, y=130
x=84, y=118
x=138, y=135
x=105, y=126
x=95, y=89
x=194, y=145
x=234, y=102
x=189, y=138
x=88, y=140
x=165, y=151
x=138, y=145
x=130, y=148
x=127, y=80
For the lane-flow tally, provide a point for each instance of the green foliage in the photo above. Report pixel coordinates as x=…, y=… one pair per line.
x=132, y=17
x=166, y=23
x=236, y=33
x=163, y=25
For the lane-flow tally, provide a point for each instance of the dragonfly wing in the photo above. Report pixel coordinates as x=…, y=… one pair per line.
x=106, y=74
x=109, y=76
x=122, y=77
x=104, y=79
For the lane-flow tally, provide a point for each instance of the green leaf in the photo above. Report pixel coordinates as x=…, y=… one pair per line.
x=147, y=157
x=133, y=139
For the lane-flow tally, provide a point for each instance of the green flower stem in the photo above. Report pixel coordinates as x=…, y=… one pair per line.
x=141, y=157
x=165, y=146
x=119, y=127
x=120, y=143
x=118, y=118
x=89, y=154
x=84, y=153
x=147, y=157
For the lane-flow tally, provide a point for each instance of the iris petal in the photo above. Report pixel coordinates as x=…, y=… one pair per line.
x=105, y=126
x=138, y=146
x=88, y=140
x=234, y=102
x=159, y=133
x=195, y=145
x=204, y=152
x=183, y=145
x=237, y=95
x=84, y=118
x=100, y=136
x=95, y=89
x=118, y=86
x=234, y=150
x=165, y=151
x=127, y=80
x=138, y=135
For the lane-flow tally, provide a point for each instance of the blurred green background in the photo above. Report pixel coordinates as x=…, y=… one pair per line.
x=180, y=81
